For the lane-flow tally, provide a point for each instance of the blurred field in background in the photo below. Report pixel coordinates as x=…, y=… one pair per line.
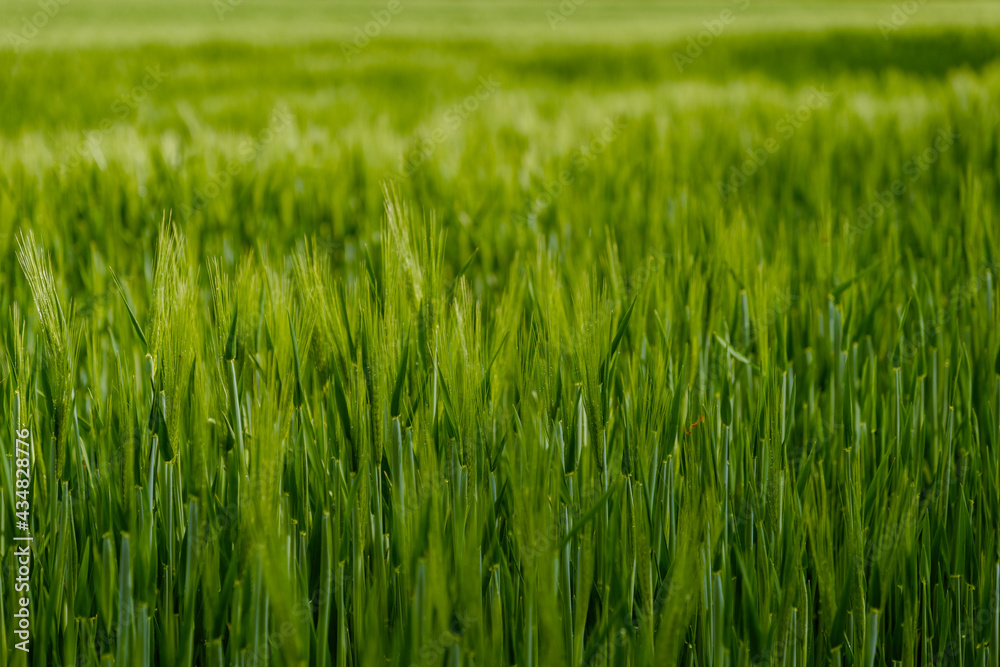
x=74, y=94
x=117, y=23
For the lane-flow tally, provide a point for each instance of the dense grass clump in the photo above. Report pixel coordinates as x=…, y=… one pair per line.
x=618, y=365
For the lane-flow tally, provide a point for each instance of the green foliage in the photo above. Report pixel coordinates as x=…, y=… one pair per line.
x=350, y=402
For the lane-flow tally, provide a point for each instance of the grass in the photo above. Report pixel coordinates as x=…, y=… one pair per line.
x=324, y=363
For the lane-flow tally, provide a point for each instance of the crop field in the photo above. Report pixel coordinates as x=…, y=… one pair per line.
x=441, y=333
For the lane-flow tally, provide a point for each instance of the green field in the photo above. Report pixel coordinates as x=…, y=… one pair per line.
x=504, y=333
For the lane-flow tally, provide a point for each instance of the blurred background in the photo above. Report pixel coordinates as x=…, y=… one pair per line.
x=250, y=120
